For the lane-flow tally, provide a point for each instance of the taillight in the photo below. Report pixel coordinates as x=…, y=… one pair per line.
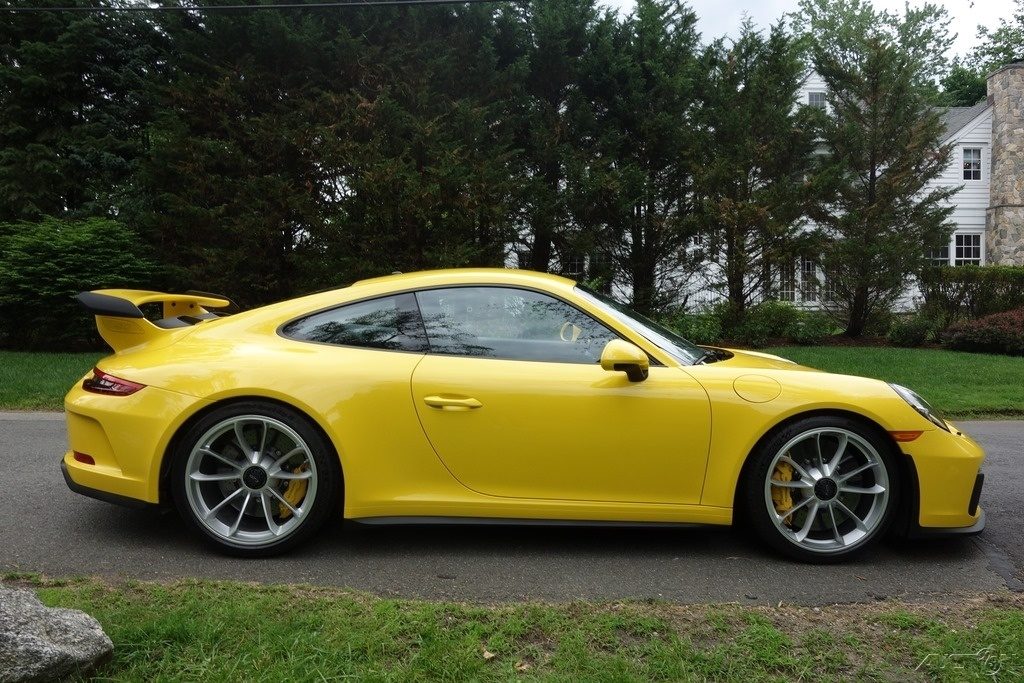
x=102, y=383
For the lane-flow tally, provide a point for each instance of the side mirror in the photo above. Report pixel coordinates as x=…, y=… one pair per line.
x=621, y=356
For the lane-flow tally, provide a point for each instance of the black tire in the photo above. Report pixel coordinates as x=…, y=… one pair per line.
x=754, y=511
x=329, y=489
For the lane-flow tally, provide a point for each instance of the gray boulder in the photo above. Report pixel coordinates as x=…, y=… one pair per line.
x=38, y=643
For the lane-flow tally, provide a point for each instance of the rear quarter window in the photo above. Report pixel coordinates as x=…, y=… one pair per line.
x=390, y=323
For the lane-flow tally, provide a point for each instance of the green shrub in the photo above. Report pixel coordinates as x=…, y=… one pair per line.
x=767, y=321
x=44, y=265
x=996, y=333
x=810, y=328
x=704, y=327
x=971, y=291
x=910, y=331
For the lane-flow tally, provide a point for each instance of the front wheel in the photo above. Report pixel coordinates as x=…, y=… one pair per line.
x=254, y=478
x=822, y=489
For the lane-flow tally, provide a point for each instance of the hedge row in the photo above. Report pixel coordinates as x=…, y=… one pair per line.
x=972, y=291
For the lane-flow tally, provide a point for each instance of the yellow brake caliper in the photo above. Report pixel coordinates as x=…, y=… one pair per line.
x=782, y=498
x=295, y=492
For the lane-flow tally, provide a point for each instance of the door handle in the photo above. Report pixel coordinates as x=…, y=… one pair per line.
x=450, y=403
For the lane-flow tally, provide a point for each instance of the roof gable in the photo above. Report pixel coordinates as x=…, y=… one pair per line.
x=955, y=119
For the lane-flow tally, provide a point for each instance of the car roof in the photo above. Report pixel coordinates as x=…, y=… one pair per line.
x=455, y=276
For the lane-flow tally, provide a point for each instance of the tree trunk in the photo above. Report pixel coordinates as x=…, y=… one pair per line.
x=544, y=223
x=735, y=267
x=858, y=313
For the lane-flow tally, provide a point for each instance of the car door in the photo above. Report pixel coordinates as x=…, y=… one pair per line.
x=514, y=401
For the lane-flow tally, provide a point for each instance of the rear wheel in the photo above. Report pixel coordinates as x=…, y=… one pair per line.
x=822, y=489
x=255, y=478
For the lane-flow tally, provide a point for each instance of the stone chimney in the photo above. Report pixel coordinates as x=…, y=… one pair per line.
x=1004, y=220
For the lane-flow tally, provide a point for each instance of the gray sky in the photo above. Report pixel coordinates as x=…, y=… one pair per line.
x=721, y=17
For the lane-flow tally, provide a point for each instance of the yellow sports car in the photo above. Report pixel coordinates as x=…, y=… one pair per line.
x=467, y=395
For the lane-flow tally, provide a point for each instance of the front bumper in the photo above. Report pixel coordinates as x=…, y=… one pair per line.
x=917, y=531
x=946, y=484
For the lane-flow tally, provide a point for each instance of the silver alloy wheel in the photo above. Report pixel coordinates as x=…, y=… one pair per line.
x=238, y=478
x=839, y=490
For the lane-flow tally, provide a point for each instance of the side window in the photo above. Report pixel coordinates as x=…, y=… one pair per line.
x=515, y=324
x=391, y=323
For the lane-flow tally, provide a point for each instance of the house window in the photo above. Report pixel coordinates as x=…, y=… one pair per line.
x=808, y=279
x=967, y=248
x=939, y=257
x=575, y=265
x=972, y=163
x=816, y=98
x=828, y=288
x=787, y=282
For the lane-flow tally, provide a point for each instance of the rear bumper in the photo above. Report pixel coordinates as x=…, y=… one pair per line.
x=103, y=495
x=125, y=437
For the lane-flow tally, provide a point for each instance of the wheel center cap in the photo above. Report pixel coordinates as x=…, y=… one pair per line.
x=826, y=489
x=254, y=477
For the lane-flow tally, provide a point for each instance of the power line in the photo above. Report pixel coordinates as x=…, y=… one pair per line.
x=221, y=8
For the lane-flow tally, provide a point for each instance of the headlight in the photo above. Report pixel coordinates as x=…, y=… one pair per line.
x=920, y=405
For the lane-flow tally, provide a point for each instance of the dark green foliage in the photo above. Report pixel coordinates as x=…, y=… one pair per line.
x=703, y=327
x=971, y=291
x=269, y=153
x=911, y=331
x=633, y=179
x=753, y=174
x=756, y=326
x=44, y=265
x=767, y=321
x=73, y=102
x=810, y=328
x=996, y=333
x=545, y=44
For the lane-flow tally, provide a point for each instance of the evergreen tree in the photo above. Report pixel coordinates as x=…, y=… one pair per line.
x=72, y=109
x=432, y=163
x=882, y=147
x=232, y=186
x=545, y=43
x=634, y=193
x=755, y=175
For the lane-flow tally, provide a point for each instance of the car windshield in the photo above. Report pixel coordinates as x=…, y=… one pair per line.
x=671, y=343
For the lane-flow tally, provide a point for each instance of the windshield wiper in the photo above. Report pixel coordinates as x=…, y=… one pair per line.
x=708, y=355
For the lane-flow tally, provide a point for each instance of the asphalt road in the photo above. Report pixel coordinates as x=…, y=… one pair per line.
x=46, y=528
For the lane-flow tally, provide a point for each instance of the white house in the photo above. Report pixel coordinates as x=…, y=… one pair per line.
x=987, y=164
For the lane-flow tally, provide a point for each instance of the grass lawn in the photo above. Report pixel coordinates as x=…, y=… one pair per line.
x=959, y=385
x=246, y=632
x=38, y=381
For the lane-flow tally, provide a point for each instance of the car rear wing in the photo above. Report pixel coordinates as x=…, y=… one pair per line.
x=123, y=324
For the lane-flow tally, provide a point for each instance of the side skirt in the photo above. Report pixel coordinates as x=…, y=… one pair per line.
x=503, y=521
